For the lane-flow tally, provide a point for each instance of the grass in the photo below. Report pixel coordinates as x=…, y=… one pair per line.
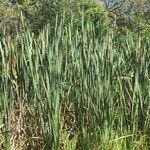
x=84, y=88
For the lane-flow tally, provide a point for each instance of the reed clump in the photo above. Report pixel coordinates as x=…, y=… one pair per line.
x=84, y=88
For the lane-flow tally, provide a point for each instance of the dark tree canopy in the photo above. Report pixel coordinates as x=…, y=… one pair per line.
x=130, y=14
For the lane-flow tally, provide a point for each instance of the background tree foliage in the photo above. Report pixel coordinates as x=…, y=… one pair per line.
x=125, y=14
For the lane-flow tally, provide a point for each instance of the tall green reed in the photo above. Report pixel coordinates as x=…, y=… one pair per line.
x=102, y=79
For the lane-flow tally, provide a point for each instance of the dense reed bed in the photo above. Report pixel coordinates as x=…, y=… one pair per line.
x=84, y=88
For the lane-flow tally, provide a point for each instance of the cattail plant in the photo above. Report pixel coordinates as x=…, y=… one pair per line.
x=91, y=90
